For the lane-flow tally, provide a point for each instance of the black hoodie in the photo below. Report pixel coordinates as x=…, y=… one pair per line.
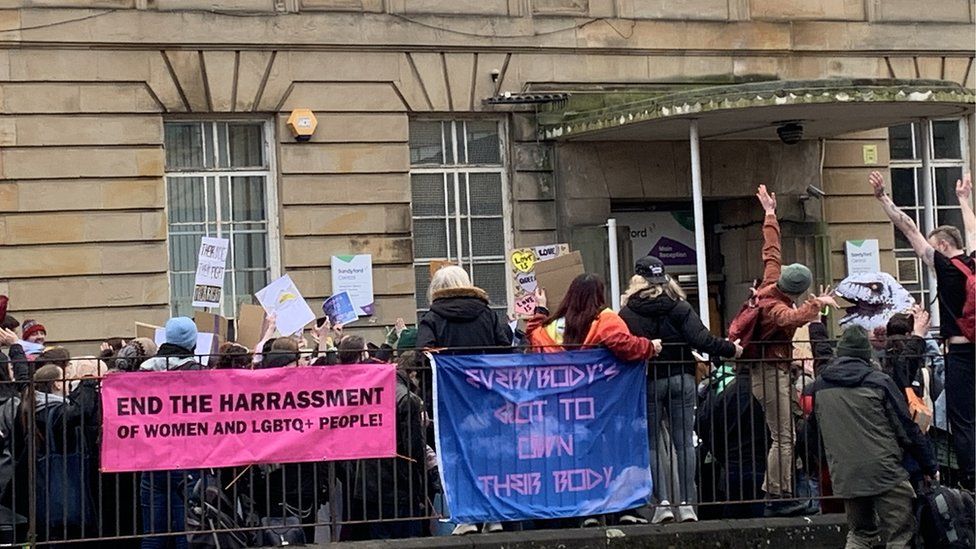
x=678, y=327
x=460, y=317
x=866, y=428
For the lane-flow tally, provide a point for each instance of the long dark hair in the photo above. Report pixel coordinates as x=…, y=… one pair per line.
x=584, y=300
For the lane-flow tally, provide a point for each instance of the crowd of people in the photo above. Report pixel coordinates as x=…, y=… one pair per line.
x=770, y=420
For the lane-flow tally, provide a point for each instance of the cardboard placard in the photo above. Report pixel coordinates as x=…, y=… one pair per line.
x=522, y=263
x=555, y=276
x=209, y=322
x=147, y=331
x=438, y=264
x=249, y=325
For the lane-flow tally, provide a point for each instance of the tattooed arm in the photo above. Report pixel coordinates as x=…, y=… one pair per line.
x=902, y=221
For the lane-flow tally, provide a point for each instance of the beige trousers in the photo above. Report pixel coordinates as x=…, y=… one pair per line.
x=772, y=388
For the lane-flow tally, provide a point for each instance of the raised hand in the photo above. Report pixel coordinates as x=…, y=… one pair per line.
x=877, y=183
x=826, y=298
x=399, y=326
x=964, y=188
x=540, y=297
x=768, y=200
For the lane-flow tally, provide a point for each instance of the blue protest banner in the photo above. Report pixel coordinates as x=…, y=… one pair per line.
x=544, y=435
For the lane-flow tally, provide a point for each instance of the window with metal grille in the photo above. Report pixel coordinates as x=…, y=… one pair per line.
x=219, y=183
x=457, y=181
x=949, y=150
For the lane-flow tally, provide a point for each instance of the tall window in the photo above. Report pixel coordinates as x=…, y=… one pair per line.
x=457, y=180
x=218, y=179
x=948, y=152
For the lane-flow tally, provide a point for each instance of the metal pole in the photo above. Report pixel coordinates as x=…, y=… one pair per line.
x=696, y=193
x=614, y=264
x=928, y=206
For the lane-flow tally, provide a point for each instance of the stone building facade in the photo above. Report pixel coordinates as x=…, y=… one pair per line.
x=130, y=127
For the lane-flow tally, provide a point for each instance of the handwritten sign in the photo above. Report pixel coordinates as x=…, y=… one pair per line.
x=541, y=435
x=211, y=264
x=223, y=418
x=354, y=274
x=523, y=262
x=283, y=299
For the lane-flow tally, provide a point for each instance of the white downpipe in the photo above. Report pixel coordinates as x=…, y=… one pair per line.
x=928, y=209
x=696, y=194
x=614, y=264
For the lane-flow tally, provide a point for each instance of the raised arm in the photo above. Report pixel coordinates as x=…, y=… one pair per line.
x=901, y=221
x=964, y=192
x=771, y=252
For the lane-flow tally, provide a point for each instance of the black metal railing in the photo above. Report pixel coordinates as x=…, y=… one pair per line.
x=724, y=437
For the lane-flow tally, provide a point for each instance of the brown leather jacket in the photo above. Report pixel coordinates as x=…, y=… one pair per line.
x=779, y=318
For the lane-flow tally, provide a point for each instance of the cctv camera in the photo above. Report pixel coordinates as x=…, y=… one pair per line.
x=494, y=75
x=815, y=192
x=790, y=133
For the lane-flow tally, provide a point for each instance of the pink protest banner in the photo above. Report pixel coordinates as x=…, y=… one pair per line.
x=221, y=418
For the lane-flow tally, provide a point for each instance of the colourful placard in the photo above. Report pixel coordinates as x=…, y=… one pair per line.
x=156, y=421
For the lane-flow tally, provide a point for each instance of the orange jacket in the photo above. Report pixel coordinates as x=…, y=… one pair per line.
x=607, y=330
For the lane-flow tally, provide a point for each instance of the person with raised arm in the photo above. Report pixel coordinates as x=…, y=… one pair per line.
x=770, y=355
x=944, y=251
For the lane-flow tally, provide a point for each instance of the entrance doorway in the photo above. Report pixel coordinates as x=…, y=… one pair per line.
x=667, y=231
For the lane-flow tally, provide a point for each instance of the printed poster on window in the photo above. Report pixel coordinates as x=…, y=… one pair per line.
x=211, y=264
x=522, y=262
x=667, y=235
x=282, y=299
x=354, y=274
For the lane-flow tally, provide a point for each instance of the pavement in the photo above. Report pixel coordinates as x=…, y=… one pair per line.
x=799, y=532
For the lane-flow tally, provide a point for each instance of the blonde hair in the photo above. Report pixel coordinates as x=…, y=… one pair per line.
x=640, y=287
x=450, y=276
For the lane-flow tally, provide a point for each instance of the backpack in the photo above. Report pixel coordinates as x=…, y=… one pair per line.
x=945, y=517
x=746, y=322
x=967, y=320
x=920, y=407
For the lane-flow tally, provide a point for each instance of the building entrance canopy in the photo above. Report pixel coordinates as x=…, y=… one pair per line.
x=754, y=111
x=825, y=108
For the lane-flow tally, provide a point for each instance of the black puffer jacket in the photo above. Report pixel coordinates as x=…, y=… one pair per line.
x=680, y=330
x=460, y=317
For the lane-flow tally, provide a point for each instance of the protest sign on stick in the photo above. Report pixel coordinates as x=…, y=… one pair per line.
x=211, y=264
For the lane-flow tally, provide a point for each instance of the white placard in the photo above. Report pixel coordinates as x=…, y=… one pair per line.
x=354, y=274
x=282, y=298
x=863, y=256
x=203, y=350
x=211, y=264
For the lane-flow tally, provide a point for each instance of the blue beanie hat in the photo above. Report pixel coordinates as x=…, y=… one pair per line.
x=182, y=332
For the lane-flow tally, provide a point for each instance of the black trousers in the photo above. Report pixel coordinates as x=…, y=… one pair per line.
x=960, y=388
